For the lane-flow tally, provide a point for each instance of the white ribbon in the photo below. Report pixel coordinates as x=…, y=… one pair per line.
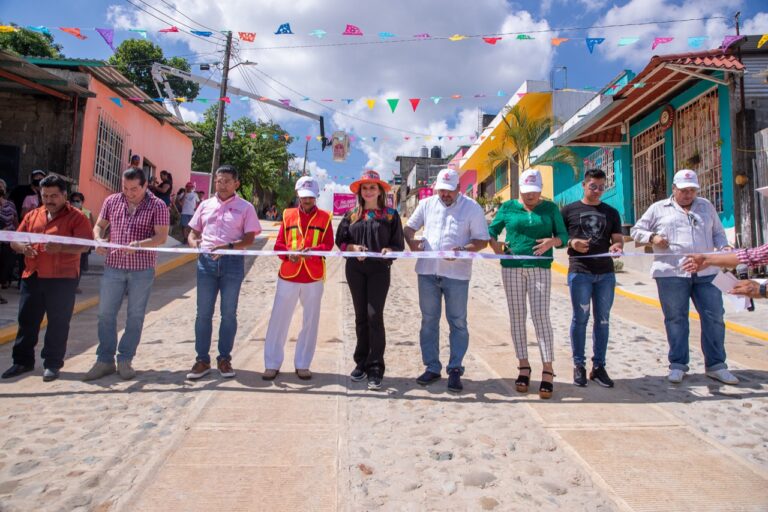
x=39, y=238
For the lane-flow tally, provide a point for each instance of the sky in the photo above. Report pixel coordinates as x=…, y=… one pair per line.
x=360, y=68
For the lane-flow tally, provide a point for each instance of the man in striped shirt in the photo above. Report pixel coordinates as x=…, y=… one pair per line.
x=756, y=257
x=135, y=218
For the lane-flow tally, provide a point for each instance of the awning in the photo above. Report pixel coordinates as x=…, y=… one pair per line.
x=19, y=76
x=663, y=76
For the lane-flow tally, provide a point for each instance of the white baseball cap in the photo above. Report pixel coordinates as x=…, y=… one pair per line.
x=530, y=181
x=447, y=179
x=307, y=186
x=686, y=178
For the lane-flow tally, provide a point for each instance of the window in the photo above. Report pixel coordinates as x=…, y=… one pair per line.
x=110, y=149
x=502, y=176
x=697, y=145
x=649, y=167
x=602, y=159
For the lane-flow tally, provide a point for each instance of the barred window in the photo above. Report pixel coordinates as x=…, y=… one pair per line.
x=501, y=176
x=602, y=159
x=110, y=149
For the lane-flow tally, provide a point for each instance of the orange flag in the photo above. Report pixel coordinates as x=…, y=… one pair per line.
x=247, y=36
x=74, y=31
x=557, y=41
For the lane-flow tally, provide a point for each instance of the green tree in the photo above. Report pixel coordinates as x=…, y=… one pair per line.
x=522, y=134
x=29, y=43
x=134, y=59
x=261, y=159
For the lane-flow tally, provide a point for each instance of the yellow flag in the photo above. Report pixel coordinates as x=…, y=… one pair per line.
x=456, y=37
x=7, y=28
x=760, y=43
x=370, y=102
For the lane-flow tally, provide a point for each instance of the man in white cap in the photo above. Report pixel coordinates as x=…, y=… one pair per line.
x=680, y=225
x=451, y=222
x=301, y=278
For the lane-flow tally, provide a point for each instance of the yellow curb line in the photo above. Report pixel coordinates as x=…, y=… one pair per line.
x=649, y=301
x=8, y=333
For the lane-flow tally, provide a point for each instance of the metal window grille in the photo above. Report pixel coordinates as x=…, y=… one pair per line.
x=602, y=159
x=502, y=176
x=110, y=149
x=649, y=166
x=697, y=145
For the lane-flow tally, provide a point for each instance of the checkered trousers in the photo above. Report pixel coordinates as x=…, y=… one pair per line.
x=536, y=284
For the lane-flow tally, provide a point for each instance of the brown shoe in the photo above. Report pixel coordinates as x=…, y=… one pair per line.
x=225, y=368
x=199, y=370
x=269, y=374
x=304, y=374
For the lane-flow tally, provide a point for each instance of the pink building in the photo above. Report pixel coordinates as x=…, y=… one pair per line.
x=468, y=178
x=85, y=120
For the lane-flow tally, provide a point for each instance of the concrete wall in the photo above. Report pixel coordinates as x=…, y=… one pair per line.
x=41, y=127
x=167, y=148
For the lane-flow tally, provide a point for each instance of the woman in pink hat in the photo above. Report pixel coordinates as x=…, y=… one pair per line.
x=370, y=227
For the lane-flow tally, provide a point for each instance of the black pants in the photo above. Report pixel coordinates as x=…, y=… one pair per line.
x=369, y=283
x=7, y=263
x=56, y=298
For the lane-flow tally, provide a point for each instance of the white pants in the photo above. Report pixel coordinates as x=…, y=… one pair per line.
x=286, y=297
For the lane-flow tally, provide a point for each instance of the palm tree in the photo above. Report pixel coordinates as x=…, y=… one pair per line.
x=522, y=134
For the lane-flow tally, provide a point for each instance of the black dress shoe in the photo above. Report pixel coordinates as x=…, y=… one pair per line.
x=15, y=370
x=454, y=381
x=428, y=377
x=50, y=375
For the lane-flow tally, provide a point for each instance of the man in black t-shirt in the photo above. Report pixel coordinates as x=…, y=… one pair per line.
x=593, y=228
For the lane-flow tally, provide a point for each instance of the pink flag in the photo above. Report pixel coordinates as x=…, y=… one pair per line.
x=352, y=30
x=169, y=30
x=661, y=40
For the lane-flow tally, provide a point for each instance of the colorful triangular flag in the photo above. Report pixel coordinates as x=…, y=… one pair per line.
x=661, y=40
x=352, y=30
x=456, y=37
x=524, y=37
x=557, y=41
x=370, y=102
x=422, y=36
x=436, y=99
x=762, y=41
x=39, y=28
x=501, y=93
x=169, y=30
x=117, y=102
x=247, y=36
x=728, y=41
x=393, y=103
x=318, y=33
x=386, y=35
x=140, y=31
x=285, y=28
x=592, y=42
x=73, y=31
x=108, y=35
x=414, y=103
x=202, y=33
x=491, y=40
x=626, y=41
x=286, y=102
x=7, y=29
x=696, y=42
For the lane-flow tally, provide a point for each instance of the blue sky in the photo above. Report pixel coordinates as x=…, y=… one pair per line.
x=403, y=70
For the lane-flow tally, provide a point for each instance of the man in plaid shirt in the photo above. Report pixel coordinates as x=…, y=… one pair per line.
x=135, y=218
x=756, y=257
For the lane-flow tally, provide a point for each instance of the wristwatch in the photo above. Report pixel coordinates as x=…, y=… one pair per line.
x=231, y=245
x=764, y=291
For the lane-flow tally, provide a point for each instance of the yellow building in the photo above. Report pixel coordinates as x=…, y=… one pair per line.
x=538, y=101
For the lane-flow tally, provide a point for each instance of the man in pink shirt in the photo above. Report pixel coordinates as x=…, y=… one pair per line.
x=225, y=221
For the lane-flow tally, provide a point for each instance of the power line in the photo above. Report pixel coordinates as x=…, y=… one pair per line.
x=174, y=20
x=498, y=34
x=214, y=42
x=187, y=17
x=252, y=88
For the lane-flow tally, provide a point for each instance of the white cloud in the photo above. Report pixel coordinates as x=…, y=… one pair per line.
x=638, y=11
x=397, y=70
x=757, y=25
x=189, y=115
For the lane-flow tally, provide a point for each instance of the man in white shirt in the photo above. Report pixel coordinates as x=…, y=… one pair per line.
x=188, y=206
x=451, y=222
x=677, y=226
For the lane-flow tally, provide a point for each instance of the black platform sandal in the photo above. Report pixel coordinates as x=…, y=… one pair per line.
x=546, y=388
x=522, y=382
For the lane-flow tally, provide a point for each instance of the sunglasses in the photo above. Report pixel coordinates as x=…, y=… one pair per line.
x=593, y=187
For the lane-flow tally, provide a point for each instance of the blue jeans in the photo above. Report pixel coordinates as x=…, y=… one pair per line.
x=224, y=275
x=114, y=285
x=675, y=294
x=431, y=291
x=599, y=290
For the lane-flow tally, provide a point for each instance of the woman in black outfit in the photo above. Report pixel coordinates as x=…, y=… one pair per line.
x=370, y=227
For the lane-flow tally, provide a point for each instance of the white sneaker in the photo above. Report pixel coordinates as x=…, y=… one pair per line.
x=676, y=376
x=724, y=376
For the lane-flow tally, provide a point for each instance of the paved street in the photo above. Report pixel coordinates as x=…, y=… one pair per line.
x=160, y=442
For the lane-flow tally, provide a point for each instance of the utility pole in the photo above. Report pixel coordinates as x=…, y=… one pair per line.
x=220, y=117
x=306, y=150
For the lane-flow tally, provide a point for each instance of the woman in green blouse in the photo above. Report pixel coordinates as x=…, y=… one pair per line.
x=534, y=226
